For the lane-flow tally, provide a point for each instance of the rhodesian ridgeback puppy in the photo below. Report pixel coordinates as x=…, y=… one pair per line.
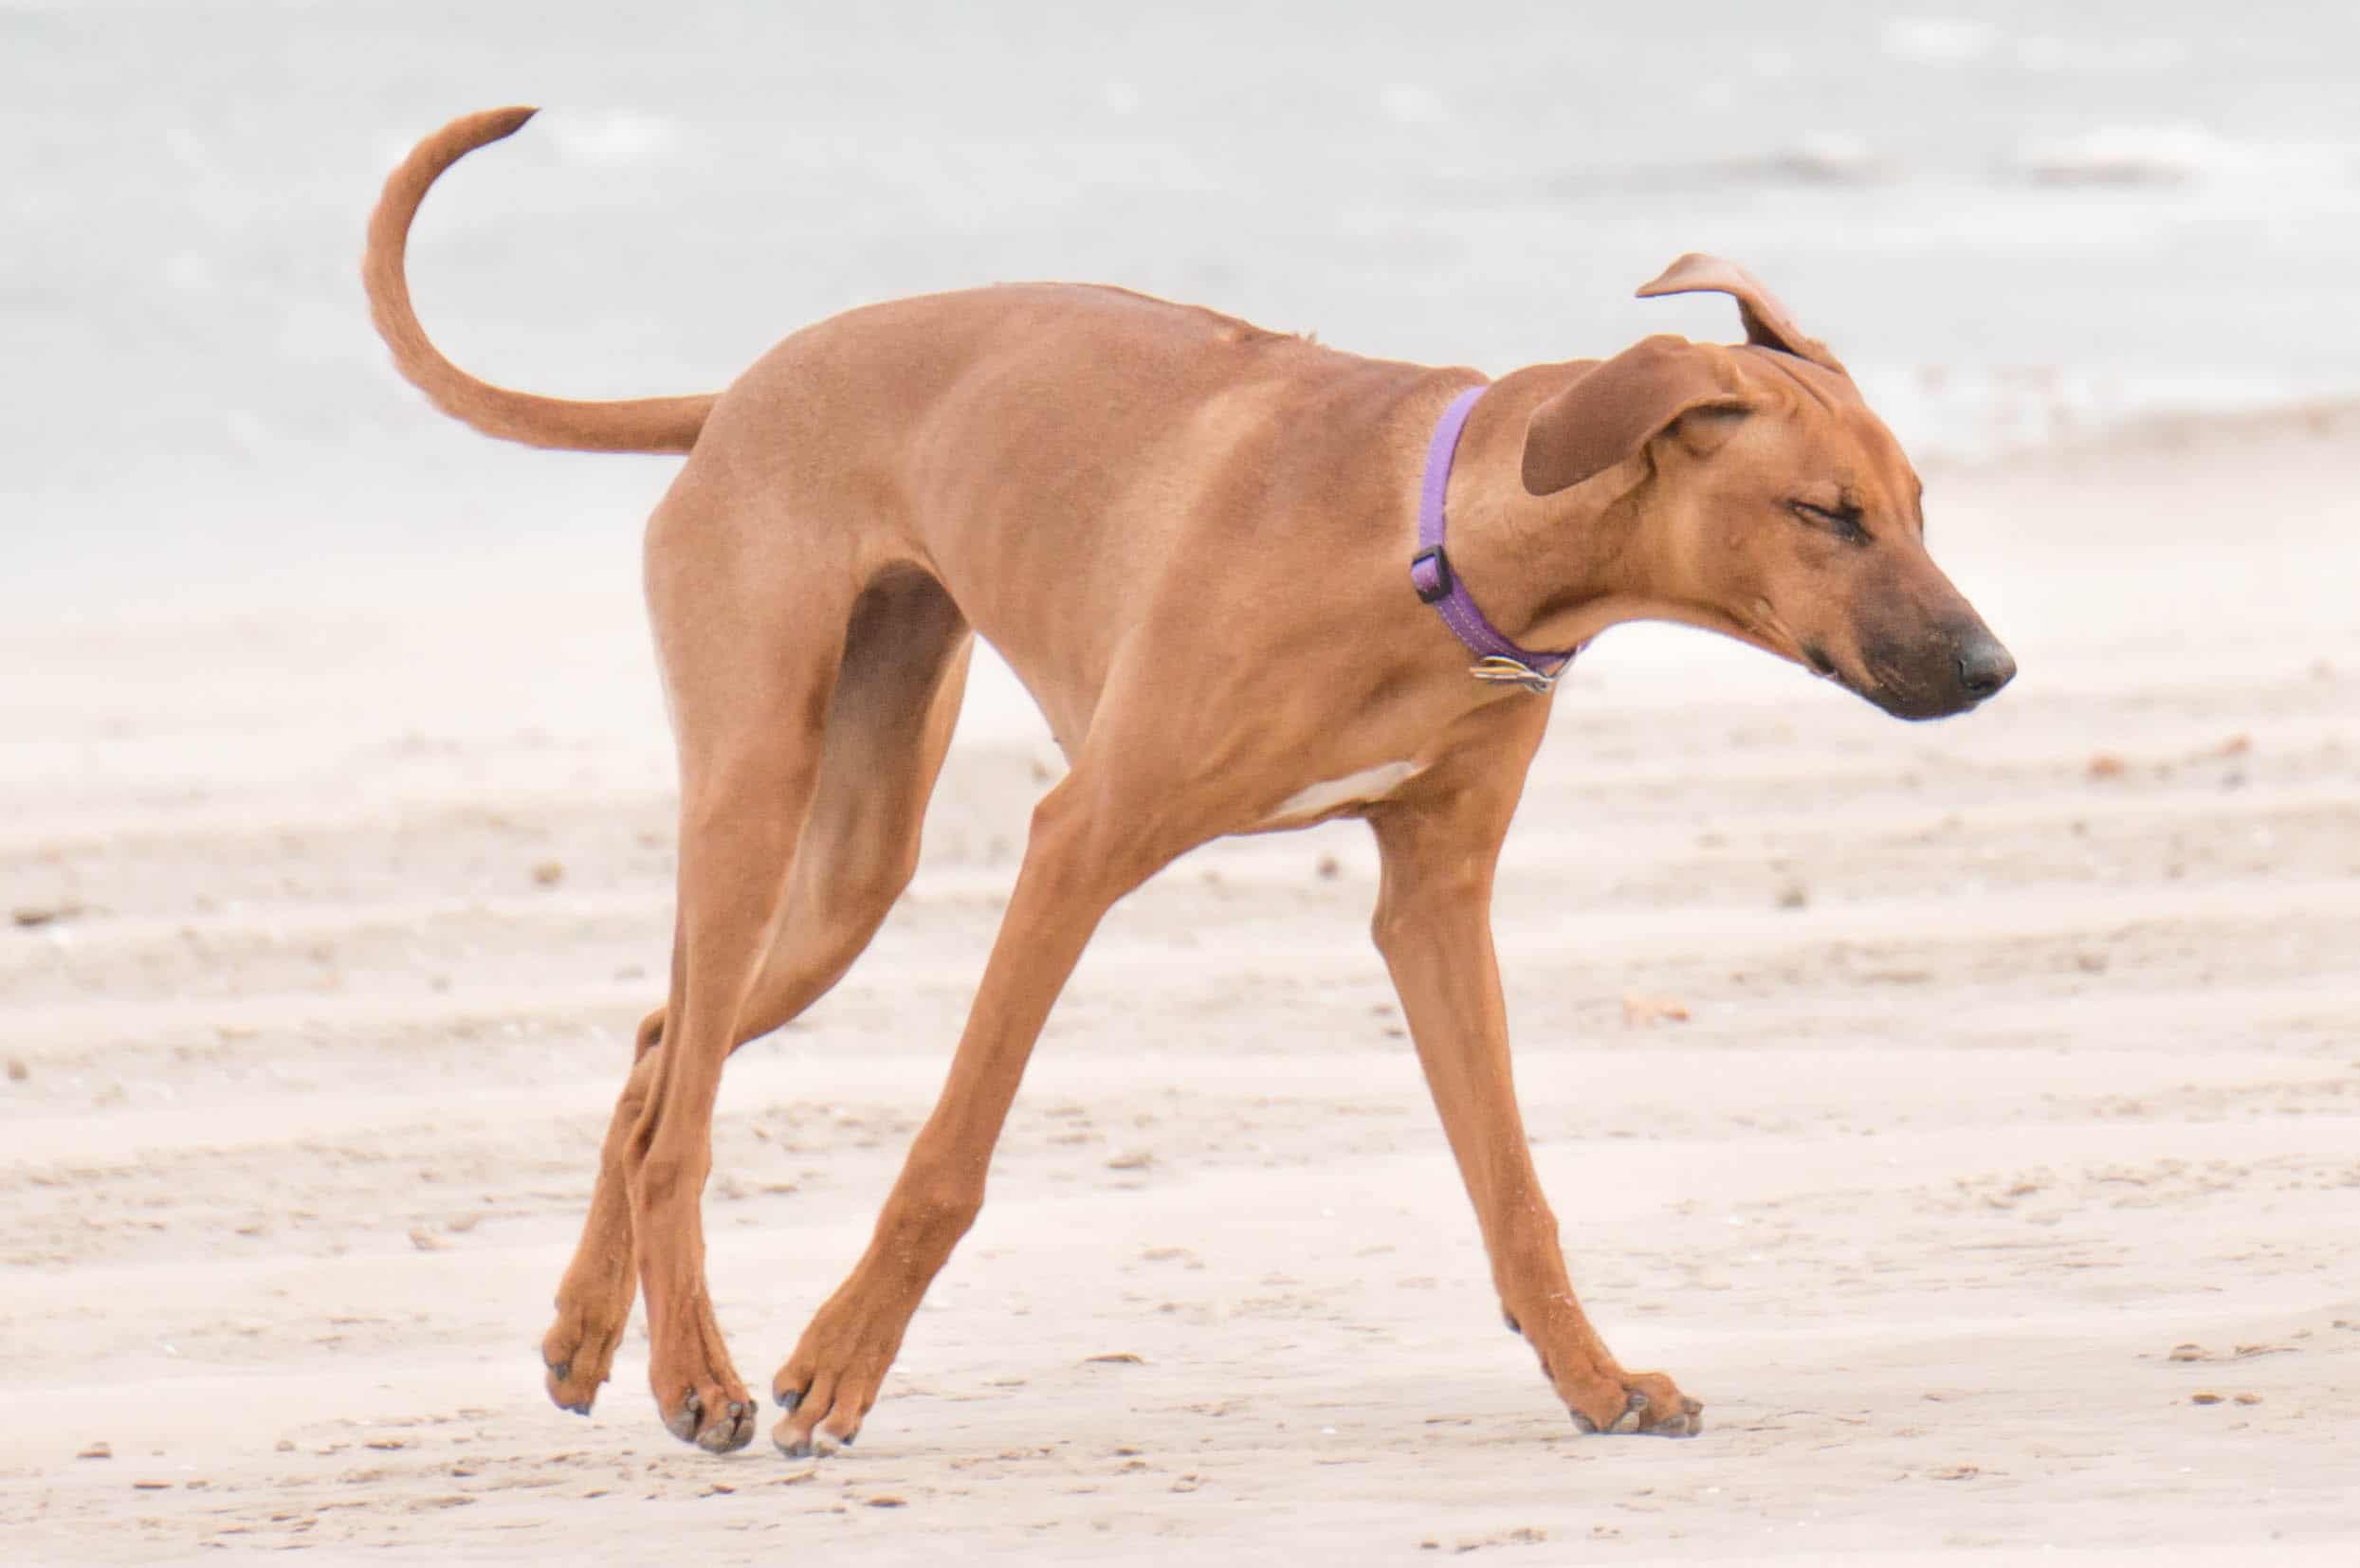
x=1218, y=558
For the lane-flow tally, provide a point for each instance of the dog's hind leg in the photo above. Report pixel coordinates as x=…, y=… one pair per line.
x=749, y=602
x=889, y=720
x=594, y=1299
x=888, y=725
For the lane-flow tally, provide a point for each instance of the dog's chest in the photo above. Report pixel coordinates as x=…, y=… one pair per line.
x=1355, y=789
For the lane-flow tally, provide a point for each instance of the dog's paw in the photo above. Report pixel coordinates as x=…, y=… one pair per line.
x=696, y=1393
x=832, y=1381
x=1636, y=1402
x=575, y=1358
x=714, y=1418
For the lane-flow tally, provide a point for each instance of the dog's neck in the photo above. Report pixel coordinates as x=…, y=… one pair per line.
x=1550, y=572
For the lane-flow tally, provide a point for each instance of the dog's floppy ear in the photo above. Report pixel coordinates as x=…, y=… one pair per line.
x=1766, y=321
x=1620, y=405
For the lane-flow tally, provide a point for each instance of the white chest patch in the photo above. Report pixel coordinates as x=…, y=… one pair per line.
x=1351, y=790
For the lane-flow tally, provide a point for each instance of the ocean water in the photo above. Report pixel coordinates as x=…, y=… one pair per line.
x=2017, y=222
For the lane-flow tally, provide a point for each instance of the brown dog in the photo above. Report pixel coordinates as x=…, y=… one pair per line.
x=1193, y=539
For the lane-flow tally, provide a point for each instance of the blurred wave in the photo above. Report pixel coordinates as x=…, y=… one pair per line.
x=2017, y=222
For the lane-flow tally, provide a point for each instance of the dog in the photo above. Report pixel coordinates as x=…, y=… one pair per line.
x=1254, y=583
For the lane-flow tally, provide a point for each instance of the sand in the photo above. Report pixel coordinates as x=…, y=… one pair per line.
x=2016, y=1115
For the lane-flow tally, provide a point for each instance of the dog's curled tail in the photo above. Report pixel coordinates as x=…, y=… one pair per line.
x=633, y=425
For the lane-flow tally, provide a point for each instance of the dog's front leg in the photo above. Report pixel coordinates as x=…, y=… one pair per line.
x=1087, y=848
x=1433, y=926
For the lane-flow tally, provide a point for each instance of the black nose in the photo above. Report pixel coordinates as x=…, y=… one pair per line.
x=1985, y=667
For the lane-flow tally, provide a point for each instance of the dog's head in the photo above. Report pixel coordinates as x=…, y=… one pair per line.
x=1770, y=503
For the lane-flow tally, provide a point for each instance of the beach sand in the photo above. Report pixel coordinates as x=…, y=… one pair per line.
x=2016, y=1116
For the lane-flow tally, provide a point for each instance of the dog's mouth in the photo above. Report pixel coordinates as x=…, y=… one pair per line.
x=1886, y=689
x=1880, y=682
x=1895, y=692
x=1902, y=702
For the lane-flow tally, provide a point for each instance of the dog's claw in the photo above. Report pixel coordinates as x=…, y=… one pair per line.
x=1685, y=1421
x=788, y=1399
x=730, y=1435
x=1510, y=1319
x=732, y=1428
x=811, y=1445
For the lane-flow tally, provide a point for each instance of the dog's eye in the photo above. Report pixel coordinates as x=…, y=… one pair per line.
x=1842, y=520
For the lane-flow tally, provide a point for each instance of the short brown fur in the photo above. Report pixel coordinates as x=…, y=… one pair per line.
x=1190, y=538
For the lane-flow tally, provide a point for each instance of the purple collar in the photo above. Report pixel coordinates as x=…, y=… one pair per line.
x=1496, y=658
